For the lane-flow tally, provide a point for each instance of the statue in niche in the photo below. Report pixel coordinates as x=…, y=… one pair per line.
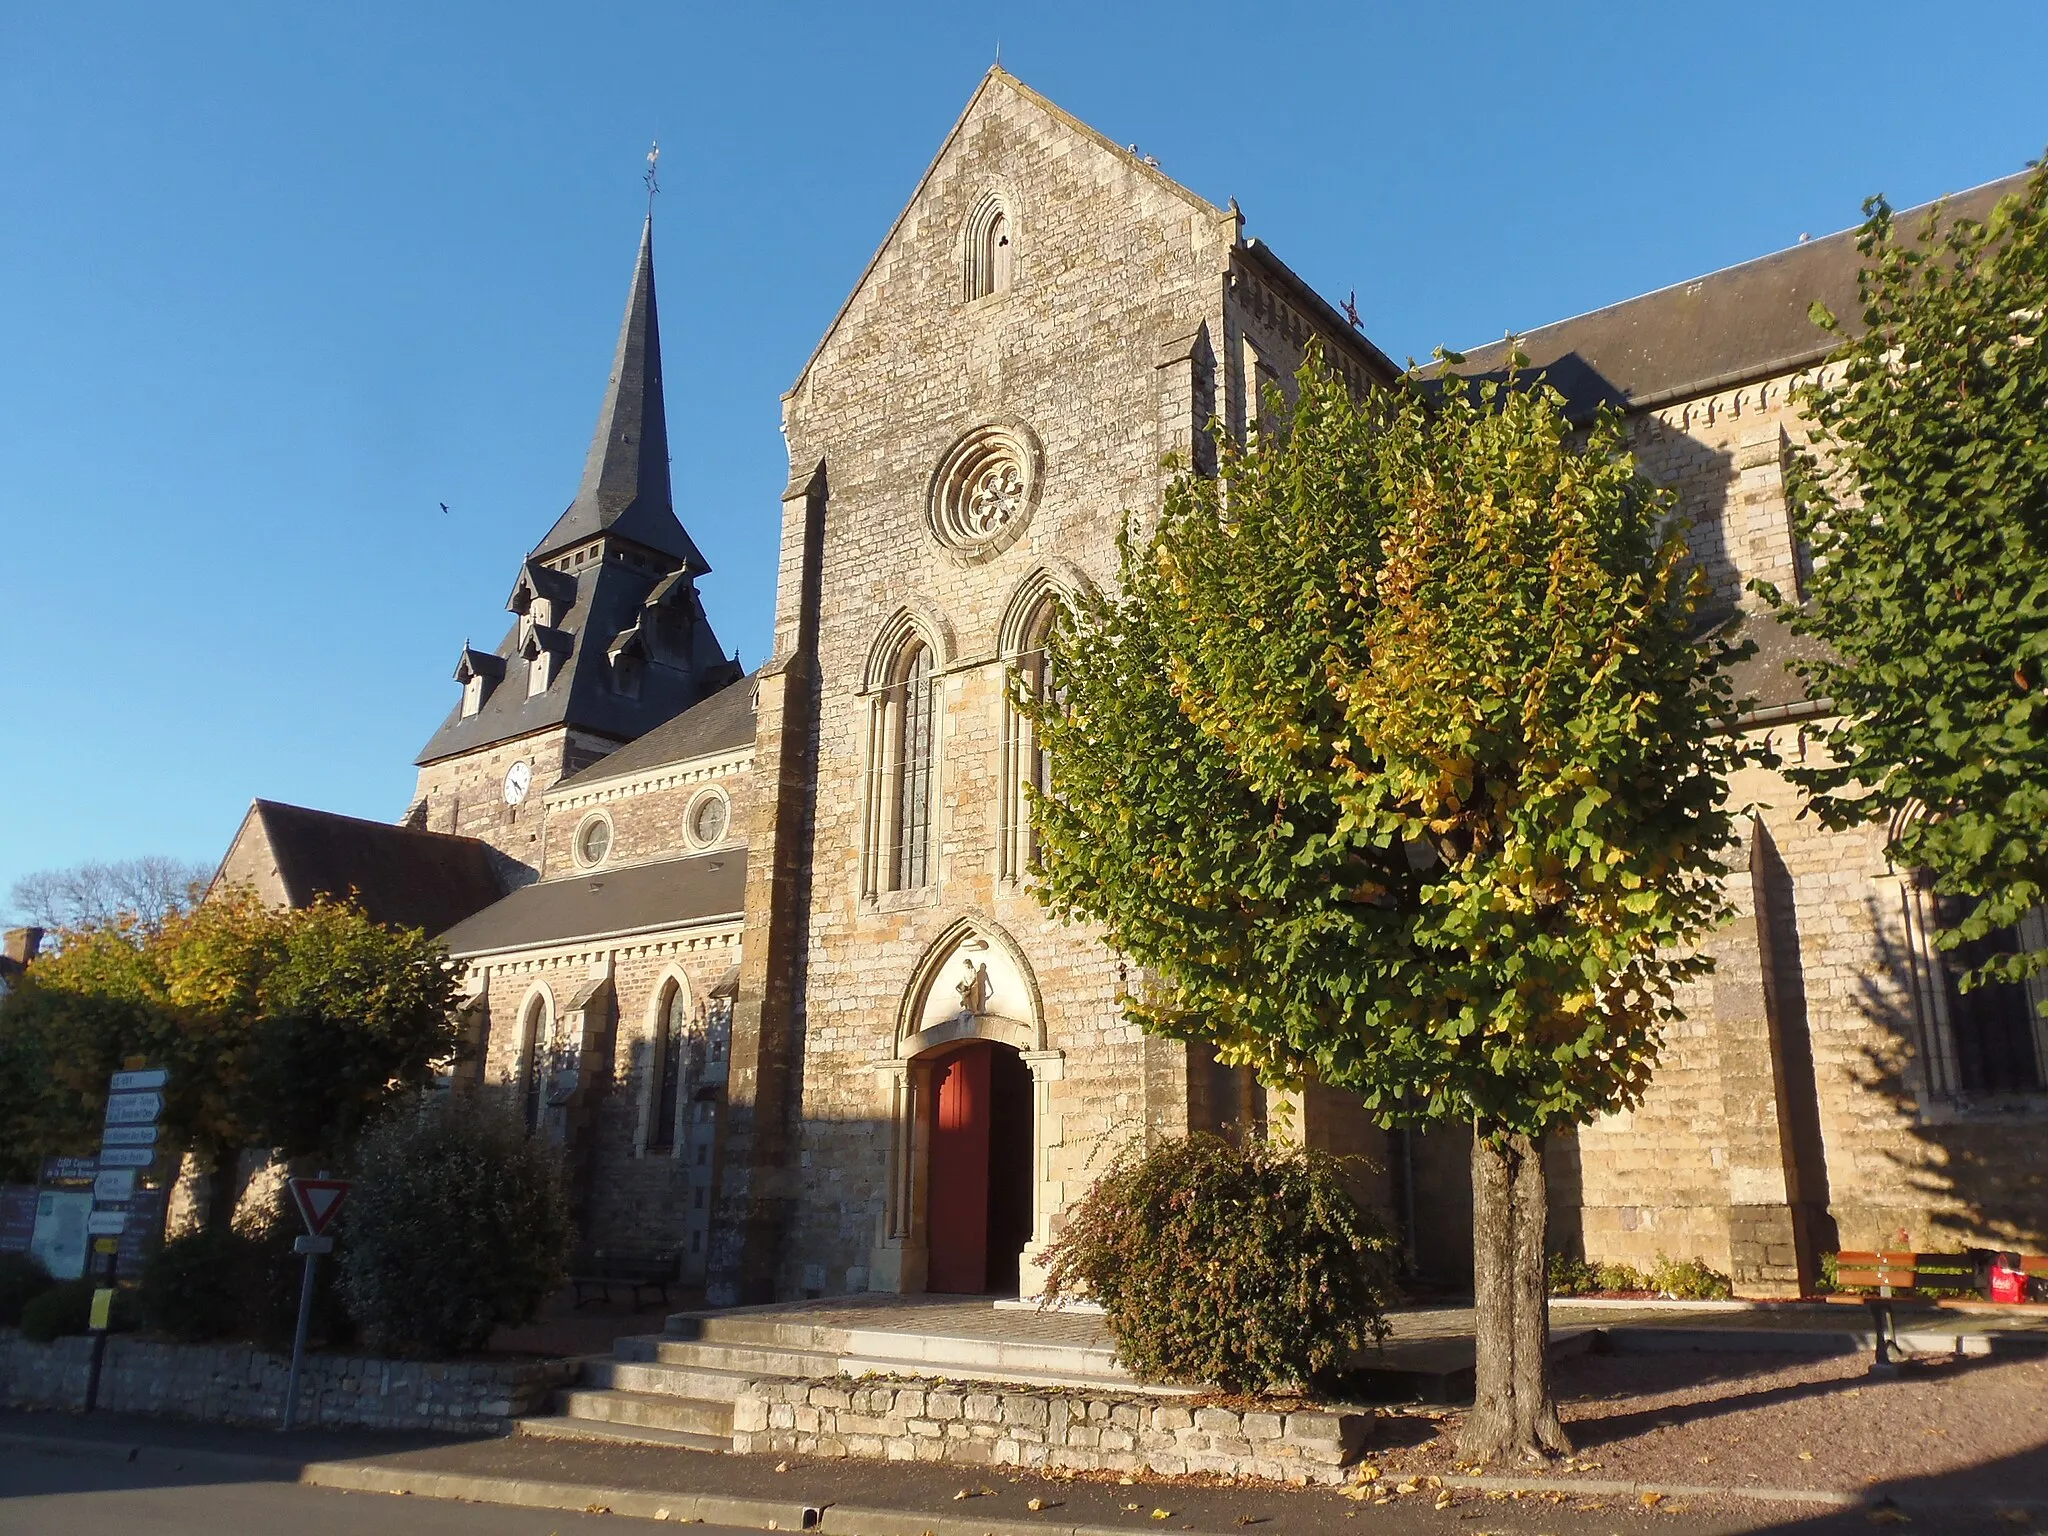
x=973, y=990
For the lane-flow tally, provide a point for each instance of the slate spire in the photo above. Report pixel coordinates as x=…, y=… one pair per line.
x=625, y=489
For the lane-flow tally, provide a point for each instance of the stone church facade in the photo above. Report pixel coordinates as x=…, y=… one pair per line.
x=768, y=962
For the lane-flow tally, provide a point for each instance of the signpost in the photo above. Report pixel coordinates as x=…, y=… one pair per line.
x=319, y=1202
x=135, y=1103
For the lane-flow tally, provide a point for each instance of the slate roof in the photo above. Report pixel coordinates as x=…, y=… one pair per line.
x=607, y=902
x=609, y=598
x=1742, y=323
x=625, y=489
x=719, y=724
x=402, y=876
x=1764, y=682
x=625, y=499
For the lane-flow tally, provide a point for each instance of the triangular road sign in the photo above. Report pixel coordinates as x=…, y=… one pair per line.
x=318, y=1201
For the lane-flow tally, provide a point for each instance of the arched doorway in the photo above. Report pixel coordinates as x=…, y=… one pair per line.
x=967, y=1097
x=980, y=1189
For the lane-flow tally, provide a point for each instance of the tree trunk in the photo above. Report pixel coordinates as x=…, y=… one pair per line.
x=1512, y=1416
x=223, y=1191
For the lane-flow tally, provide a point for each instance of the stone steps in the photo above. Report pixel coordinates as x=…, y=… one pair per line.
x=562, y=1427
x=742, y=1341
x=647, y=1410
x=678, y=1387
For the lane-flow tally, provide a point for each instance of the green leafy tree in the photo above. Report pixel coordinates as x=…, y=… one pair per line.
x=285, y=1029
x=1398, y=764
x=1924, y=502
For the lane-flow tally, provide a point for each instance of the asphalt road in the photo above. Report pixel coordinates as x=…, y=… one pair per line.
x=46, y=1494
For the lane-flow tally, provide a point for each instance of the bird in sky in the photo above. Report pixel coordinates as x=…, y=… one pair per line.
x=444, y=506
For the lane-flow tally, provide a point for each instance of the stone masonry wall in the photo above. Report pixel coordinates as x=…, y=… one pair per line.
x=236, y=1384
x=466, y=794
x=1044, y=1430
x=650, y=812
x=1112, y=267
x=630, y=1194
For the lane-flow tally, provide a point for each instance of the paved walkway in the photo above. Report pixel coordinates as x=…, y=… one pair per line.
x=977, y=1317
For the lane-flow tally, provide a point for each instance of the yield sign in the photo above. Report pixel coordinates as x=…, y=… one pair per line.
x=318, y=1201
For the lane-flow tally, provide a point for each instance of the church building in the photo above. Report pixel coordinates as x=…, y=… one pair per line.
x=762, y=952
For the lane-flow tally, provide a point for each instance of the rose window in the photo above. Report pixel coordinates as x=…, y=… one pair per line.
x=983, y=492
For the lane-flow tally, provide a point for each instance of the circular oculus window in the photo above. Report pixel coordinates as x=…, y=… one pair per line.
x=709, y=818
x=983, y=492
x=593, y=840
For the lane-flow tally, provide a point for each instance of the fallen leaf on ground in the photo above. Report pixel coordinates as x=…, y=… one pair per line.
x=1162, y=1514
x=1130, y=1509
x=1806, y=1455
x=1405, y=1487
x=1652, y=1500
x=782, y=1466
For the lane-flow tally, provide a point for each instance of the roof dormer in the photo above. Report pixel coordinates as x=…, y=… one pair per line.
x=543, y=650
x=542, y=595
x=628, y=657
x=478, y=672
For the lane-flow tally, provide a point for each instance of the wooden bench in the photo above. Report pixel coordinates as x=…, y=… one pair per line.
x=1892, y=1278
x=640, y=1272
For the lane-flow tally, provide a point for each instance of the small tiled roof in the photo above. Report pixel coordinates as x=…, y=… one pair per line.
x=401, y=875
x=721, y=723
x=607, y=902
x=1730, y=327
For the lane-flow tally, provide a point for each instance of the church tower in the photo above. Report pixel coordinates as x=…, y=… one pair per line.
x=608, y=639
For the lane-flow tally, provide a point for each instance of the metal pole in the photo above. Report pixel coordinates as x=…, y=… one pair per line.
x=291, y=1391
x=104, y=1260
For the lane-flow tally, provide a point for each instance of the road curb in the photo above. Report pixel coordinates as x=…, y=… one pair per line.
x=532, y=1493
x=1826, y=1498
x=854, y=1520
x=1597, y=1487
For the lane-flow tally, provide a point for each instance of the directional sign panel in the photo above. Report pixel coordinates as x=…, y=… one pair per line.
x=134, y=1108
x=127, y=1157
x=114, y=1186
x=106, y=1223
x=319, y=1200
x=130, y=1135
x=135, y=1082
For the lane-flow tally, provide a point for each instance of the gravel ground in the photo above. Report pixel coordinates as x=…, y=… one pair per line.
x=1969, y=1427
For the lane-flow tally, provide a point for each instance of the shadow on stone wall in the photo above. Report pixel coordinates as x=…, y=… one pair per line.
x=1967, y=1173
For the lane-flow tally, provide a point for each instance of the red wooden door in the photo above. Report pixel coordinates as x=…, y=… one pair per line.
x=959, y=1177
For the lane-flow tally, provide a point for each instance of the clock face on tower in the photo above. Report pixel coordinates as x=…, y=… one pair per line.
x=518, y=779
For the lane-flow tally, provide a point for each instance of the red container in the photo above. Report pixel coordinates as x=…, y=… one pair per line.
x=2008, y=1280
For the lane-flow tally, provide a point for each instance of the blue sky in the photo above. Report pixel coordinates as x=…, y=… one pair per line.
x=276, y=281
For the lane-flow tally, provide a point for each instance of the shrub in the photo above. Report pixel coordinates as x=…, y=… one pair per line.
x=66, y=1308
x=1619, y=1277
x=1689, y=1280
x=1579, y=1277
x=22, y=1279
x=197, y=1286
x=1249, y=1266
x=459, y=1223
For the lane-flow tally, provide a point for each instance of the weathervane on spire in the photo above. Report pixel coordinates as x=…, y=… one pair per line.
x=652, y=179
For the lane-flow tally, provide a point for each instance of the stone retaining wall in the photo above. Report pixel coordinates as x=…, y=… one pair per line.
x=238, y=1384
x=1043, y=1428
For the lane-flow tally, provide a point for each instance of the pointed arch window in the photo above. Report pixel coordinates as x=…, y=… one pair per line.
x=900, y=818
x=1027, y=765
x=990, y=257
x=671, y=1028
x=533, y=1061
x=916, y=722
